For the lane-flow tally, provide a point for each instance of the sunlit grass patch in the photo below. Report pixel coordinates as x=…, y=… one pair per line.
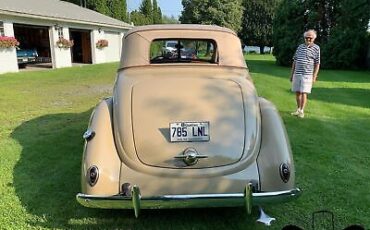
x=43, y=115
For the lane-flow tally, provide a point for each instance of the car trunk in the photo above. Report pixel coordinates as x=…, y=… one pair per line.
x=156, y=103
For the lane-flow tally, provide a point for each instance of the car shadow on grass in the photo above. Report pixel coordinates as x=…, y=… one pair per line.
x=47, y=178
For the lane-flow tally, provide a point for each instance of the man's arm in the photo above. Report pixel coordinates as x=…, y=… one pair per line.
x=292, y=72
x=316, y=66
x=315, y=71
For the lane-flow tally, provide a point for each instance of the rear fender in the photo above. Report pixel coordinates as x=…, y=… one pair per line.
x=100, y=151
x=275, y=150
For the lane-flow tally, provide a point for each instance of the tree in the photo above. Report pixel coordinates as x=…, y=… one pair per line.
x=138, y=18
x=113, y=8
x=146, y=9
x=157, y=13
x=100, y=6
x=288, y=30
x=169, y=20
x=341, y=26
x=347, y=39
x=257, y=22
x=118, y=9
x=213, y=12
x=147, y=14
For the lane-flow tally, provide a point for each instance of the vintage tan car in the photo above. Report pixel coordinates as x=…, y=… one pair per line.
x=185, y=128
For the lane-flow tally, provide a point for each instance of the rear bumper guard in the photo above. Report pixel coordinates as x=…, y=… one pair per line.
x=137, y=202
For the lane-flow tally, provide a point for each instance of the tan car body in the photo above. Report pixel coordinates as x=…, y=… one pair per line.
x=128, y=138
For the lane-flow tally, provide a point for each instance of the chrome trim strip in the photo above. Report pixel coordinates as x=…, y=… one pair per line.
x=248, y=194
x=186, y=201
x=136, y=200
x=202, y=196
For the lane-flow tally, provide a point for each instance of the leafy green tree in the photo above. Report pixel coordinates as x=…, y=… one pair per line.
x=138, y=18
x=347, y=41
x=288, y=29
x=118, y=9
x=100, y=6
x=341, y=26
x=257, y=22
x=213, y=12
x=157, y=13
x=148, y=13
x=113, y=8
x=169, y=19
x=146, y=9
x=159, y=19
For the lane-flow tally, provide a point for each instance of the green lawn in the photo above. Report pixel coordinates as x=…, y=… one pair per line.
x=43, y=115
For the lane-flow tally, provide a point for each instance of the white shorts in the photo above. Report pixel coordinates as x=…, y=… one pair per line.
x=302, y=83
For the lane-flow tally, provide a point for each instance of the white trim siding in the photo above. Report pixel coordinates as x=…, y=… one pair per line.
x=61, y=57
x=52, y=13
x=112, y=52
x=98, y=55
x=8, y=57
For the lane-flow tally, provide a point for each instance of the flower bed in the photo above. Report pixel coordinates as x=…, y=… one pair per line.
x=8, y=42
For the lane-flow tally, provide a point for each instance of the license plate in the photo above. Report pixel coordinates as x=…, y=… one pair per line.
x=189, y=131
x=25, y=59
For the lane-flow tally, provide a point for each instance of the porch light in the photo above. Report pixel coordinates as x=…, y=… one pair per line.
x=57, y=27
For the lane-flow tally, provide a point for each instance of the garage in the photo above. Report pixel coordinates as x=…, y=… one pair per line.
x=33, y=37
x=60, y=33
x=113, y=51
x=81, y=50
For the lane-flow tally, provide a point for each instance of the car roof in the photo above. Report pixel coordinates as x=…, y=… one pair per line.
x=179, y=27
x=136, y=43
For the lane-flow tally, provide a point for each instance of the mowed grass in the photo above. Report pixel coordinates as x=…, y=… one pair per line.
x=43, y=115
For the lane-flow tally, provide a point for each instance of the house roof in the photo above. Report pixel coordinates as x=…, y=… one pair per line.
x=59, y=11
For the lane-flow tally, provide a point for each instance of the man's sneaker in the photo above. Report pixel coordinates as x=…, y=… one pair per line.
x=301, y=115
x=296, y=113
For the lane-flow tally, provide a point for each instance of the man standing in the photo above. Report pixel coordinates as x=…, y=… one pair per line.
x=305, y=67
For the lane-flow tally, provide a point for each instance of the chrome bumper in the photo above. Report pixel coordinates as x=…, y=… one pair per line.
x=137, y=202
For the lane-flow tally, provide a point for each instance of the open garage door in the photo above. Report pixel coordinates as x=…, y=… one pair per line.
x=34, y=47
x=113, y=51
x=81, y=50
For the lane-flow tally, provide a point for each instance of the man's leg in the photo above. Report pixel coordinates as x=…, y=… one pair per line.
x=298, y=99
x=302, y=104
x=303, y=101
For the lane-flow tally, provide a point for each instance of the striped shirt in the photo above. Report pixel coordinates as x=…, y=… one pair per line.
x=305, y=58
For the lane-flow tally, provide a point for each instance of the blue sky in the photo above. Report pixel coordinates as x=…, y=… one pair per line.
x=168, y=7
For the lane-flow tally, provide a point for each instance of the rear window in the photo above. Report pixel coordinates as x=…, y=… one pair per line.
x=182, y=50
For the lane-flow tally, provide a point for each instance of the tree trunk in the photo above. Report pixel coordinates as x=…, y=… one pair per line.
x=262, y=49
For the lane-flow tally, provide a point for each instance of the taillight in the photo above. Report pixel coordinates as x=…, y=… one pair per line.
x=92, y=175
x=284, y=172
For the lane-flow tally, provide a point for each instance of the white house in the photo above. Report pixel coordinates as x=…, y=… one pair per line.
x=39, y=24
